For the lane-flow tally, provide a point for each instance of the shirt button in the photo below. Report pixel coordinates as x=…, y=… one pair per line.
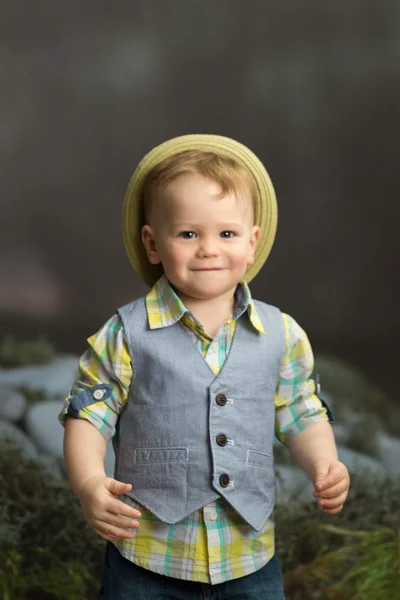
x=222, y=440
x=224, y=480
x=213, y=516
x=98, y=394
x=221, y=399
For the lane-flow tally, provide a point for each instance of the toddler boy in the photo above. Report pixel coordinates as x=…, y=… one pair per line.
x=192, y=382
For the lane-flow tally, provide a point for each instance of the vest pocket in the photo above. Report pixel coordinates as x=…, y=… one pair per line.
x=258, y=459
x=157, y=455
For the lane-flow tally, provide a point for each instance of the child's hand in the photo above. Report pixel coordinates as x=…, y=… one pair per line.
x=106, y=515
x=331, y=482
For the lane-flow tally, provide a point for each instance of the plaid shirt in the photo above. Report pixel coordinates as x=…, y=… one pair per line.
x=214, y=544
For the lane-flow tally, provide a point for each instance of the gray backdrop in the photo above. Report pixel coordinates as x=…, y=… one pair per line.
x=312, y=87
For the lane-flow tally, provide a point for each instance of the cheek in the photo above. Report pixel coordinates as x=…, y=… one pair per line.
x=177, y=255
x=239, y=255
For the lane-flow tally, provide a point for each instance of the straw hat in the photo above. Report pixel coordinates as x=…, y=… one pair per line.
x=265, y=203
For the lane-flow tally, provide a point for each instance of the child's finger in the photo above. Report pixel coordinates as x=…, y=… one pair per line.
x=333, y=502
x=128, y=511
x=120, y=521
x=117, y=487
x=332, y=511
x=333, y=478
x=105, y=536
x=117, y=507
x=329, y=481
x=331, y=492
x=108, y=530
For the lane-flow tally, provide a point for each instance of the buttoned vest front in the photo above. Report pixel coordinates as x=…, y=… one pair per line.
x=186, y=436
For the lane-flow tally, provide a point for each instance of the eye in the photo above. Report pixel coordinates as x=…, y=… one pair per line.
x=227, y=234
x=188, y=235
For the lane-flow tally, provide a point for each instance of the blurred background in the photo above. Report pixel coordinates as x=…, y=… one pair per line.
x=313, y=88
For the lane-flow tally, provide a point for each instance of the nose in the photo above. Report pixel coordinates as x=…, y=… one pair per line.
x=208, y=246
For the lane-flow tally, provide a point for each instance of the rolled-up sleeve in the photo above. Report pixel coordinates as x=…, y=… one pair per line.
x=296, y=403
x=100, y=392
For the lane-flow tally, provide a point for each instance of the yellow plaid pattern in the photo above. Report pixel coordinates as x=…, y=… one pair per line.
x=213, y=544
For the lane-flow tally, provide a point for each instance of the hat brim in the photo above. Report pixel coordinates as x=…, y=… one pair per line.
x=265, y=209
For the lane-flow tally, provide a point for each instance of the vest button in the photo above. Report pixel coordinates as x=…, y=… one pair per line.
x=224, y=480
x=222, y=440
x=221, y=399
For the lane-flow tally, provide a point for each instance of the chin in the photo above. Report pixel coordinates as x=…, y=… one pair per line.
x=212, y=291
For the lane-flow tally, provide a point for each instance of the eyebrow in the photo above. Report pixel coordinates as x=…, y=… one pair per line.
x=225, y=225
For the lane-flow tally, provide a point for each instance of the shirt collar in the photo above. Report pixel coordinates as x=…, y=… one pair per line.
x=164, y=307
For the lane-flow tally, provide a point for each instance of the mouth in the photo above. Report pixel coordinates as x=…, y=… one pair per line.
x=210, y=269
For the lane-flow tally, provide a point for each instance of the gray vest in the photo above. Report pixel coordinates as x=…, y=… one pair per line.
x=186, y=436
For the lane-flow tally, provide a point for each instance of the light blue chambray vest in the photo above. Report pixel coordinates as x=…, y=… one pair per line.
x=186, y=436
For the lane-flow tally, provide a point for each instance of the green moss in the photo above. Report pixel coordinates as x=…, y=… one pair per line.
x=365, y=567
x=322, y=563
x=15, y=353
x=46, y=549
x=47, y=552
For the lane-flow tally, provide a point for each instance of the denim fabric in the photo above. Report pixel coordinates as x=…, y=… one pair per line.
x=88, y=397
x=123, y=580
x=187, y=436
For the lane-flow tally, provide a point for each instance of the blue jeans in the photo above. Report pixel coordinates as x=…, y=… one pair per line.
x=123, y=580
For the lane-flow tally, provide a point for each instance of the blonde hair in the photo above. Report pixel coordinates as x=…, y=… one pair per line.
x=230, y=175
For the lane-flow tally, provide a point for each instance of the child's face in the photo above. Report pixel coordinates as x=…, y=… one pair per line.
x=204, y=242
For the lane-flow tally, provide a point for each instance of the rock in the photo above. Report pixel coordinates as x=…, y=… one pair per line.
x=109, y=462
x=341, y=434
x=356, y=461
x=13, y=433
x=41, y=422
x=12, y=405
x=293, y=482
x=29, y=450
x=55, y=378
x=389, y=452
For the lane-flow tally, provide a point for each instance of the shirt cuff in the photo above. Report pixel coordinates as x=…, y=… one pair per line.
x=296, y=418
x=90, y=404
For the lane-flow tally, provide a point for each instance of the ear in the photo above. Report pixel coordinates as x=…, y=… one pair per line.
x=149, y=244
x=253, y=241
